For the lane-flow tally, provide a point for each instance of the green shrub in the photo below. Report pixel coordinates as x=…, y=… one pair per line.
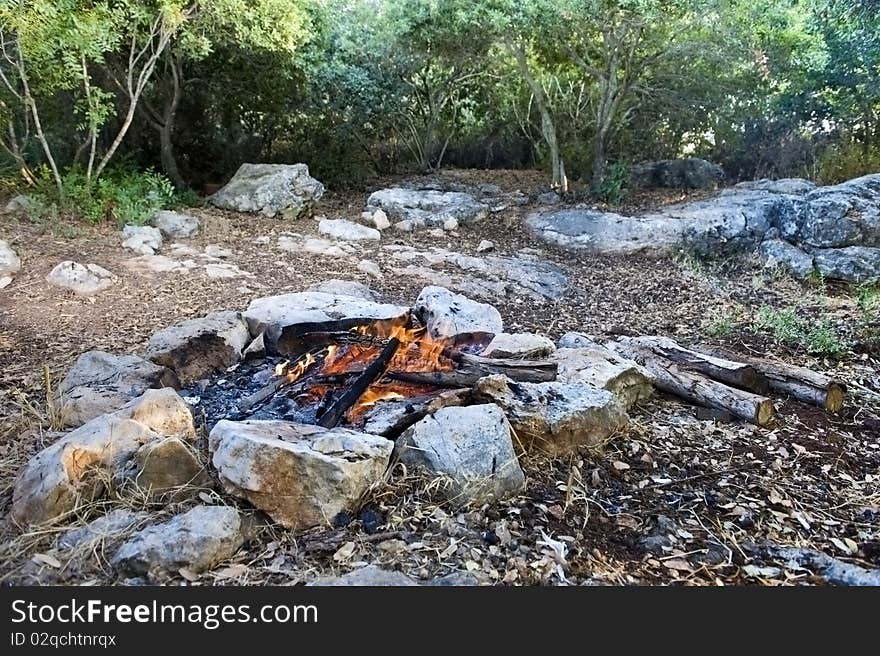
x=123, y=195
x=722, y=324
x=815, y=336
x=844, y=161
x=613, y=188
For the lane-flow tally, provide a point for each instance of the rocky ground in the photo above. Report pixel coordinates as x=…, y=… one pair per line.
x=673, y=498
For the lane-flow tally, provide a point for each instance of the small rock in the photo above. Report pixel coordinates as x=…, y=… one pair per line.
x=549, y=198
x=456, y=579
x=196, y=348
x=5, y=281
x=174, y=225
x=148, y=264
x=10, y=264
x=370, y=268
x=471, y=445
x=450, y=224
x=576, y=340
x=165, y=466
x=521, y=346
x=555, y=417
x=196, y=540
x=216, y=250
x=101, y=382
x=299, y=474
x=369, y=576
x=324, y=247
x=17, y=204
x=347, y=230
x=485, y=246
x=380, y=220
x=224, y=270
x=450, y=315
x=80, y=279
x=256, y=349
x=488, y=189
x=409, y=225
x=108, y=530
x=143, y=240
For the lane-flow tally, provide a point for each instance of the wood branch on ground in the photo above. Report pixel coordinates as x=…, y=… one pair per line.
x=737, y=374
x=800, y=383
x=696, y=388
x=472, y=367
x=375, y=369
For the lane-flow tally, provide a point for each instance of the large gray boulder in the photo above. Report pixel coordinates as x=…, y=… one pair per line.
x=101, y=382
x=84, y=279
x=689, y=173
x=732, y=220
x=197, y=541
x=469, y=445
x=196, y=348
x=557, y=417
x=853, y=263
x=427, y=207
x=452, y=316
x=78, y=467
x=843, y=215
x=280, y=316
x=488, y=277
x=782, y=254
x=299, y=474
x=270, y=189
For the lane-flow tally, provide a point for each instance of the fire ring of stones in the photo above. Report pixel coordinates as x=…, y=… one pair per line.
x=309, y=398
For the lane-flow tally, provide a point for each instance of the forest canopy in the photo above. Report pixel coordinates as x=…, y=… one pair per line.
x=95, y=89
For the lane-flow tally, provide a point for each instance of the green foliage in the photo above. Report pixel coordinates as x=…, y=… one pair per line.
x=816, y=336
x=613, y=187
x=122, y=195
x=722, y=324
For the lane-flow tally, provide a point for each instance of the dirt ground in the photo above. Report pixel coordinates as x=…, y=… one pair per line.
x=674, y=499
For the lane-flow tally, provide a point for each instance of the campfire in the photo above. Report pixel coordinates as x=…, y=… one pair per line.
x=332, y=375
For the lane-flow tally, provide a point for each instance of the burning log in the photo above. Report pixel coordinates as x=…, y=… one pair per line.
x=288, y=375
x=697, y=388
x=736, y=374
x=472, y=368
x=375, y=369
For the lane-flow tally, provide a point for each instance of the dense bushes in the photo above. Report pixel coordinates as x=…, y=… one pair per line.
x=358, y=88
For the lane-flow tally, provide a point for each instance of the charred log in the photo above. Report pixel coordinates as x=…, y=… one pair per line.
x=375, y=369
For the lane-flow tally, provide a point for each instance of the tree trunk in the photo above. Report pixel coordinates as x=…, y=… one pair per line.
x=548, y=128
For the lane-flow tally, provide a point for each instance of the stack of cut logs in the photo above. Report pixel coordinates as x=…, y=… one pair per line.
x=737, y=387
